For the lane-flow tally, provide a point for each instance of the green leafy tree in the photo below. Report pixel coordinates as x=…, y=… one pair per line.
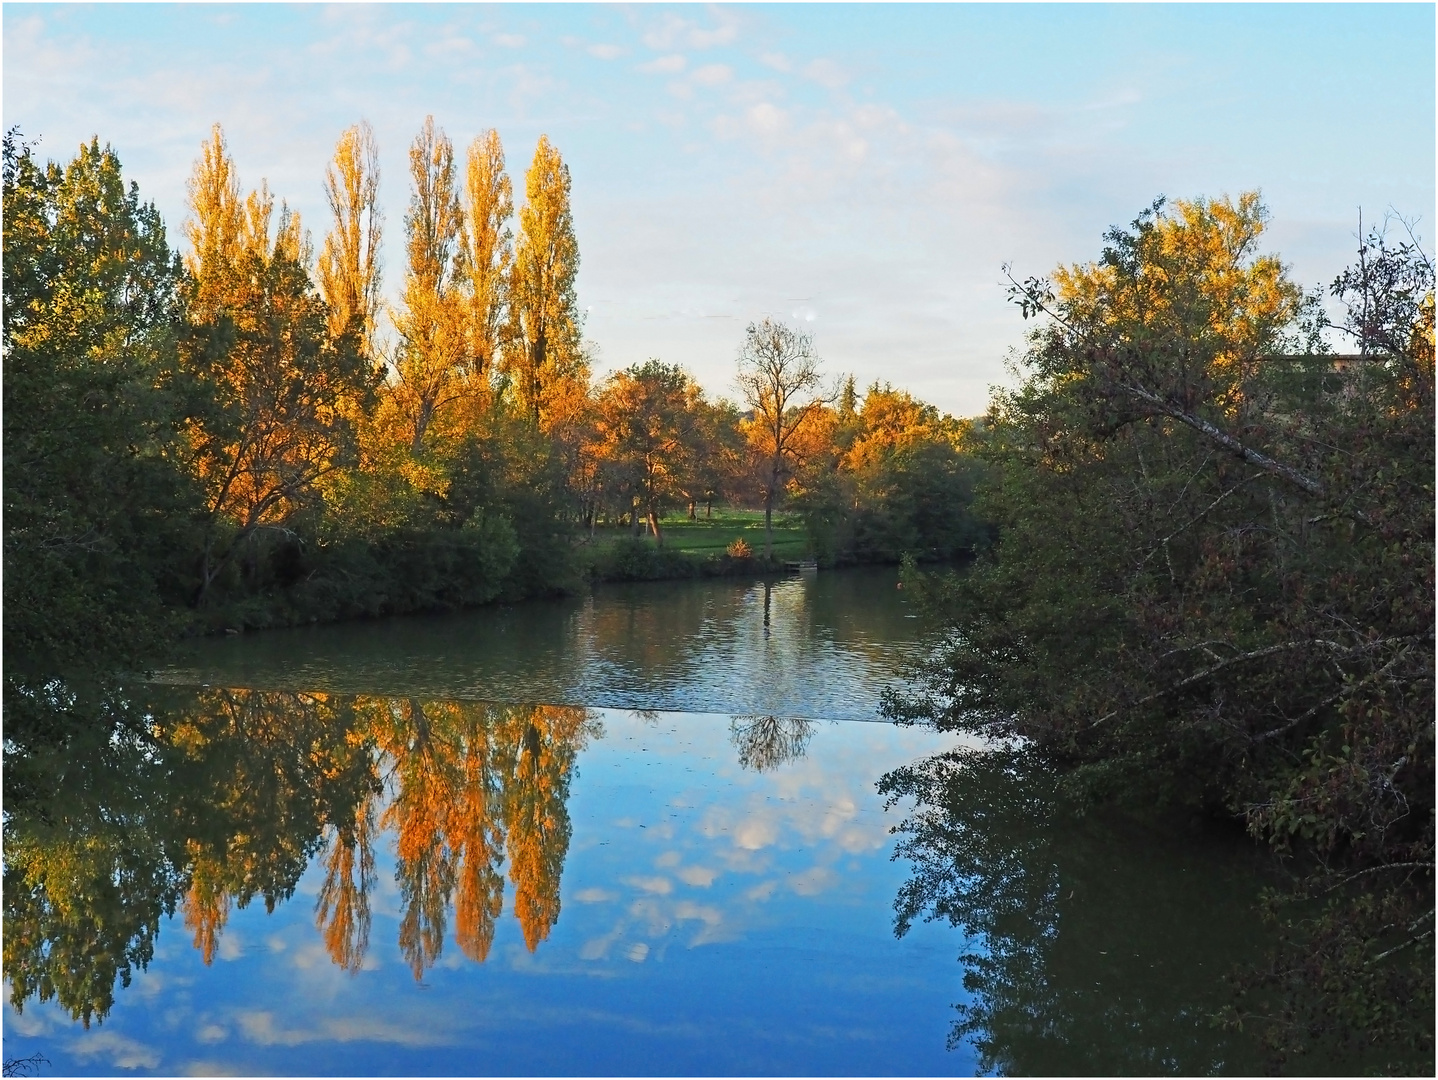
x=97, y=514
x=1213, y=576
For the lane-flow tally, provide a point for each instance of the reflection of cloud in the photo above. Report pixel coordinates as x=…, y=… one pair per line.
x=31, y=1023
x=761, y=892
x=122, y=1052
x=755, y=833
x=594, y=896
x=598, y=948
x=230, y=946
x=637, y=952
x=813, y=881
x=700, y=877
x=210, y=1033
x=660, y=885
x=213, y=1068
x=260, y=1027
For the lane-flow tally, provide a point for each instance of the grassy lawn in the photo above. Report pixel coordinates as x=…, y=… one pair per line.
x=712, y=536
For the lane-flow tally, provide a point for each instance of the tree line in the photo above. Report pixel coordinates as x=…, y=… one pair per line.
x=245, y=433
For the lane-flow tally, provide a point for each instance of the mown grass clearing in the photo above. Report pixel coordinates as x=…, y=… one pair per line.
x=711, y=536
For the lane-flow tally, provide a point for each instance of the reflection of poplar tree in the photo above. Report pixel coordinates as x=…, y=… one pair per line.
x=537, y=814
x=425, y=766
x=342, y=909
x=206, y=905
x=477, y=834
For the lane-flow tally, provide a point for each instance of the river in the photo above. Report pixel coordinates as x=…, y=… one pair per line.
x=636, y=832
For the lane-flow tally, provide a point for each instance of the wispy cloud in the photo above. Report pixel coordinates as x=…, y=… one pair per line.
x=664, y=65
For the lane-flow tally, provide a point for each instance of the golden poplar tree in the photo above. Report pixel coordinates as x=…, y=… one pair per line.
x=217, y=218
x=434, y=351
x=349, y=269
x=489, y=251
x=544, y=361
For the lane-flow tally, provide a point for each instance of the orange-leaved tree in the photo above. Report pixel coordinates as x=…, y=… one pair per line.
x=273, y=377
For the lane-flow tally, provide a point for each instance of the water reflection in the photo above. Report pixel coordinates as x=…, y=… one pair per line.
x=766, y=742
x=1094, y=947
x=819, y=646
x=231, y=794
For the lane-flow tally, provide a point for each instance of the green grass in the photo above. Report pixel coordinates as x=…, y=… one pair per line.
x=711, y=536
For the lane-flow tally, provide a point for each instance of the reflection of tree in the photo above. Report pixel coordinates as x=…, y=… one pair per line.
x=221, y=796
x=209, y=801
x=766, y=742
x=537, y=814
x=472, y=782
x=1094, y=948
x=342, y=910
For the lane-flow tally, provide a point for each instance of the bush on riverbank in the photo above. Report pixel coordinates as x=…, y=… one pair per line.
x=638, y=559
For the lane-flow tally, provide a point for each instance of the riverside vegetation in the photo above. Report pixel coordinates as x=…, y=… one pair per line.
x=1205, y=562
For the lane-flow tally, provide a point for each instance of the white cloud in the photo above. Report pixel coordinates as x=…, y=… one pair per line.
x=672, y=31
x=664, y=65
x=713, y=74
x=510, y=41
x=826, y=73
x=605, y=52
x=766, y=118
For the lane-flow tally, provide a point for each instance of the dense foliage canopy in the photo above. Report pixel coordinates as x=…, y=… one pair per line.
x=1213, y=577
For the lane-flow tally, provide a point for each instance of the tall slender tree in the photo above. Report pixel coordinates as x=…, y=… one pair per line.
x=349, y=268
x=489, y=251
x=433, y=351
x=545, y=322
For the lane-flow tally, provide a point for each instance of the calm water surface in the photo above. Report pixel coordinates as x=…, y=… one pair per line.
x=363, y=849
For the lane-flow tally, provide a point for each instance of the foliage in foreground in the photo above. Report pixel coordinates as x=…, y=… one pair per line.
x=1213, y=583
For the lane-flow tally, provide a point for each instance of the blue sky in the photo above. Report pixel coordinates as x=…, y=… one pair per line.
x=862, y=170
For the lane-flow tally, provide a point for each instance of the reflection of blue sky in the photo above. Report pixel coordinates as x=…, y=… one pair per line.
x=714, y=920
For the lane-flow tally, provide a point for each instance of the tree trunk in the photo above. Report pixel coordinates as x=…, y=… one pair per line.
x=768, y=524
x=654, y=526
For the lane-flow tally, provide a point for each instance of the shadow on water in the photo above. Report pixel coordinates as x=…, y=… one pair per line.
x=1095, y=947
